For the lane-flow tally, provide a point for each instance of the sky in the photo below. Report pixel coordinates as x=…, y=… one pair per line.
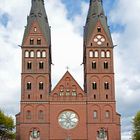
x=67, y=18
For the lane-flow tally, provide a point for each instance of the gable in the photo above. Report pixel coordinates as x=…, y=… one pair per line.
x=67, y=87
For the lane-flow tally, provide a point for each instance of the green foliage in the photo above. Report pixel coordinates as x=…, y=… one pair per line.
x=136, y=127
x=7, y=126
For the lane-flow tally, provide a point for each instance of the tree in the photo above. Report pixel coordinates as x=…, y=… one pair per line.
x=136, y=127
x=6, y=126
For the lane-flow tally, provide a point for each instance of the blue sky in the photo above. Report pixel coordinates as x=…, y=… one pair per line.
x=70, y=22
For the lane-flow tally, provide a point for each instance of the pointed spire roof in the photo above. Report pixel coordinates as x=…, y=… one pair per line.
x=38, y=14
x=95, y=14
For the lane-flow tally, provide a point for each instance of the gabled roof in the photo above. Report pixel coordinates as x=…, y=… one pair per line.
x=38, y=14
x=95, y=14
x=68, y=83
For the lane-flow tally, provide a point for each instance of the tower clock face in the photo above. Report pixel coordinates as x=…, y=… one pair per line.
x=99, y=39
x=68, y=120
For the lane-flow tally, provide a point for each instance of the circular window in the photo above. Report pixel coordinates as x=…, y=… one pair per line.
x=68, y=119
x=99, y=39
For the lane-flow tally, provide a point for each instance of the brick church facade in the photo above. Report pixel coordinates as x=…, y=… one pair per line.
x=67, y=112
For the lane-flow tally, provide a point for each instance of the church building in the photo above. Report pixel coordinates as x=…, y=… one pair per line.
x=67, y=112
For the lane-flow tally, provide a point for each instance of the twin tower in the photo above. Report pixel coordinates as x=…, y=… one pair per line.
x=68, y=112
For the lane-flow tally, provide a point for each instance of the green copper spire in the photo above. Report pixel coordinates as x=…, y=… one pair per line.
x=38, y=14
x=95, y=14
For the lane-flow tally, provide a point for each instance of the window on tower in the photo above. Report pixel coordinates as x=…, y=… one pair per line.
x=43, y=54
x=41, y=65
x=107, y=114
x=108, y=54
x=93, y=65
x=41, y=86
x=99, y=29
x=29, y=65
x=94, y=85
x=26, y=54
x=29, y=86
x=106, y=85
x=105, y=65
x=31, y=54
x=28, y=115
x=102, y=54
x=38, y=54
x=31, y=41
x=40, y=115
x=39, y=41
x=91, y=54
x=96, y=54
x=95, y=114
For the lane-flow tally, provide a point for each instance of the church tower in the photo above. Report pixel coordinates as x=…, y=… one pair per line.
x=99, y=75
x=36, y=72
x=67, y=112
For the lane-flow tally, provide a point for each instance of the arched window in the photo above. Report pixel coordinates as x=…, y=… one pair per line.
x=96, y=54
x=107, y=114
x=29, y=86
x=29, y=65
x=43, y=54
x=93, y=65
x=39, y=41
x=105, y=65
x=102, y=54
x=31, y=54
x=94, y=85
x=31, y=41
x=41, y=65
x=40, y=115
x=90, y=53
x=106, y=85
x=28, y=115
x=26, y=54
x=38, y=54
x=108, y=54
x=41, y=86
x=95, y=114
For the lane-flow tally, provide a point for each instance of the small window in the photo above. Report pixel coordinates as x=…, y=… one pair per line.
x=38, y=54
x=43, y=54
x=74, y=93
x=41, y=96
x=29, y=65
x=93, y=65
x=67, y=92
x=107, y=114
x=105, y=65
x=41, y=86
x=95, y=114
x=40, y=115
x=108, y=54
x=99, y=29
x=106, y=96
x=28, y=96
x=91, y=44
x=35, y=29
x=39, y=41
x=26, y=54
x=94, y=85
x=28, y=115
x=106, y=85
x=41, y=65
x=96, y=54
x=90, y=53
x=94, y=96
x=31, y=41
x=102, y=54
x=31, y=54
x=29, y=86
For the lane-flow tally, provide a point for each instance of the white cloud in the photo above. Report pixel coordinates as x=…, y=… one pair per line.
x=67, y=50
